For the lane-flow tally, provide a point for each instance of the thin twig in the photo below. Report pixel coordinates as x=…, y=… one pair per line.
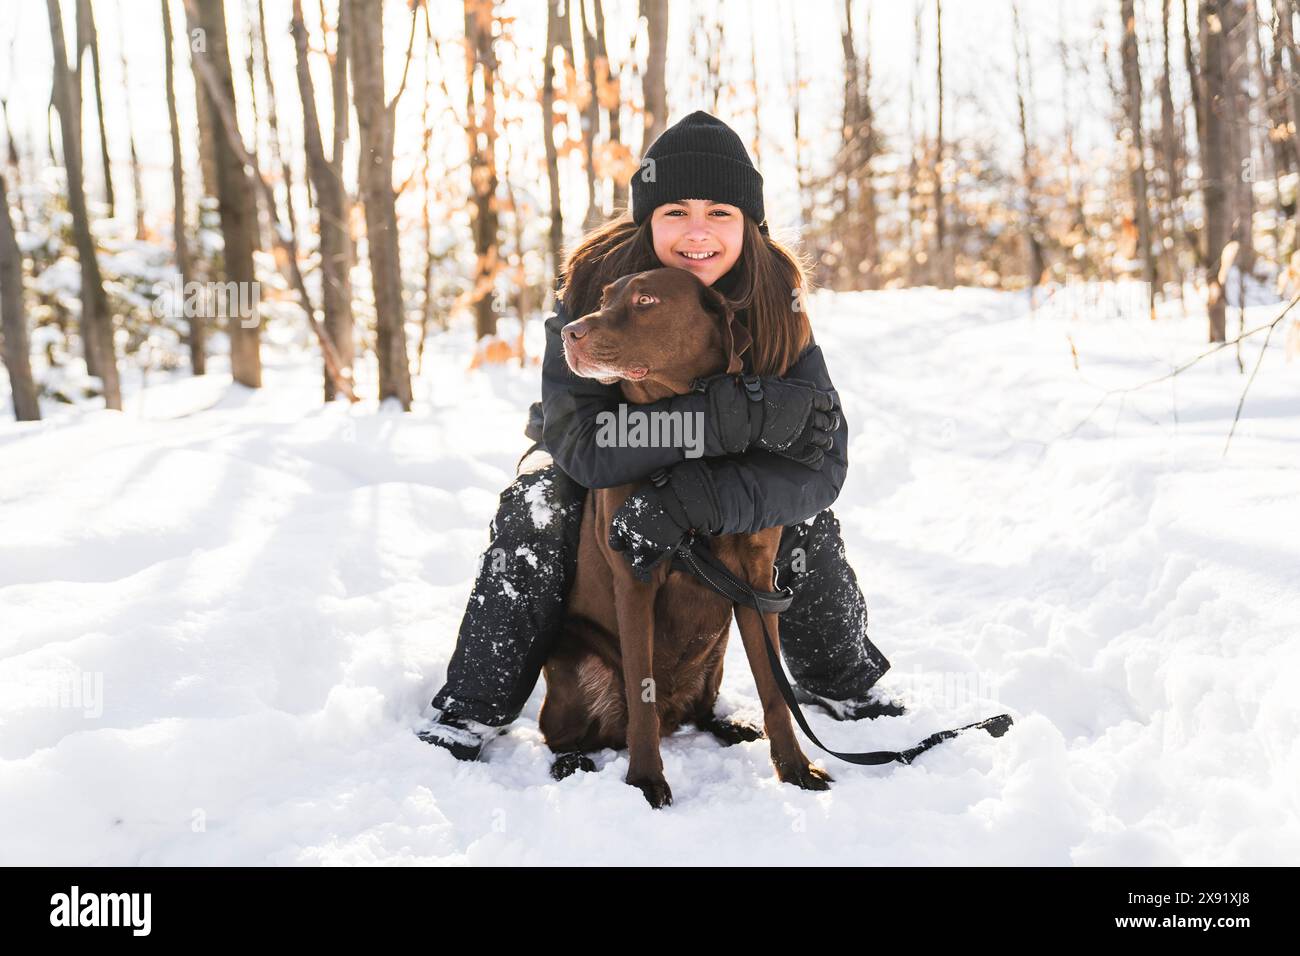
x=1188, y=364
x=1242, y=401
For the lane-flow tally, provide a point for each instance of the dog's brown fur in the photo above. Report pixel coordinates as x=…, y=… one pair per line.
x=637, y=660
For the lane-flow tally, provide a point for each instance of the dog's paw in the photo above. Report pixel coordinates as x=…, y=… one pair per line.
x=731, y=731
x=656, y=791
x=803, y=775
x=567, y=764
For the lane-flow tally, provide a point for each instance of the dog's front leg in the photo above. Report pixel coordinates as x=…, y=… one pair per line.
x=634, y=604
x=792, y=765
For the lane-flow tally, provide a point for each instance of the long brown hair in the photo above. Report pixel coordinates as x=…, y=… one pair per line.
x=768, y=294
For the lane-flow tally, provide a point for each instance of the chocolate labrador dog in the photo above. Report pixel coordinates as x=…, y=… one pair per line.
x=636, y=660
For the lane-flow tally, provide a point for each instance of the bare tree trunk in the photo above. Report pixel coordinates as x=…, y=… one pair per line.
x=555, y=24
x=81, y=40
x=653, y=88
x=1073, y=194
x=1272, y=145
x=796, y=108
x=17, y=345
x=137, y=190
x=1137, y=150
x=590, y=111
x=235, y=196
x=946, y=276
x=846, y=225
x=914, y=227
x=11, y=158
x=609, y=91
x=343, y=246
x=1279, y=132
x=1171, y=146
x=1288, y=76
x=1037, y=264
x=207, y=121
x=96, y=320
x=523, y=294
x=713, y=64
x=273, y=121
x=758, y=96
x=1237, y=27
x=1119, y=101
x=261, y=216
x=426, y=179
x=88, y=39
x=855, y=195
x=868, y=146
x=1286, y=41
x=375, y=178
x=867, y=186
x=1196, y=86
x=198, y=352
x=854, y=225
x=480, y=125
x=331, y=199
x=49, y=131
x=1214, y=175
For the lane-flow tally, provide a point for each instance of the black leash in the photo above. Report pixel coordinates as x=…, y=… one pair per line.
x=692, y=557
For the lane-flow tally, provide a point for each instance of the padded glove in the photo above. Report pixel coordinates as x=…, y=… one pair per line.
x=651, y=523
x=788, y=417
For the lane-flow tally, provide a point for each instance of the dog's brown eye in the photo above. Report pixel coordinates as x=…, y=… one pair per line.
x=645, y=299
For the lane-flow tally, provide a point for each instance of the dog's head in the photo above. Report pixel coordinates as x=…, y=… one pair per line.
x=655, y=332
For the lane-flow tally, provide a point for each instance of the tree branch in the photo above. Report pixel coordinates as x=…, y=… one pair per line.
x=1255, y=371
x=410, y=45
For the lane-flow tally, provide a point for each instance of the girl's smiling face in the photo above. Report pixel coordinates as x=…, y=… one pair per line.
x=698, y=235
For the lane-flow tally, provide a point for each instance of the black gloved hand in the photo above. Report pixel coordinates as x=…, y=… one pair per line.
x=650, y=524
x=788, y=417
x=644, y=532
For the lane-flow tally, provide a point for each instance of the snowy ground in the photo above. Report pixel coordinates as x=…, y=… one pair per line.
x=221, y=613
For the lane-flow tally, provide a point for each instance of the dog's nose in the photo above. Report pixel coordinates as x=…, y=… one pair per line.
x=574, y=330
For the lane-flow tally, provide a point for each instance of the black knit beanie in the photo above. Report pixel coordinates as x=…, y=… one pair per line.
x=698, y=157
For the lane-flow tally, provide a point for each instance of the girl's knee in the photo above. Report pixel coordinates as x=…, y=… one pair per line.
x=538, y=506
x=809, y=543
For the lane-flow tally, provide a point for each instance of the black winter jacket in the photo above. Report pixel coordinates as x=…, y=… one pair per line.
x=756, y=489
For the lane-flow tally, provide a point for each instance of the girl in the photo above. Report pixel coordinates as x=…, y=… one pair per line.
x=697, y=204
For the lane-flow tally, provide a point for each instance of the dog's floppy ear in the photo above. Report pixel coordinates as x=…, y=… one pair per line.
x=735, y=337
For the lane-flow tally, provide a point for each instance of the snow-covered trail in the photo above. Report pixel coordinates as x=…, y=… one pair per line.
x=222, y=612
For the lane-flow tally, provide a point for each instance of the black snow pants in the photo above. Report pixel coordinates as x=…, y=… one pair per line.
x=517, y=606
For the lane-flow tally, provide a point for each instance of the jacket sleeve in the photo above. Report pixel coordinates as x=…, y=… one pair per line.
x=759, y=490
x=570, y=406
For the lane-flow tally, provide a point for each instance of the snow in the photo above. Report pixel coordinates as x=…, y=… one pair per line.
x=538, y=510
x=224, y=611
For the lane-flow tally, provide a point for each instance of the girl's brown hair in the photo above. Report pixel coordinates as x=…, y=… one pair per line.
x=767, y=296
